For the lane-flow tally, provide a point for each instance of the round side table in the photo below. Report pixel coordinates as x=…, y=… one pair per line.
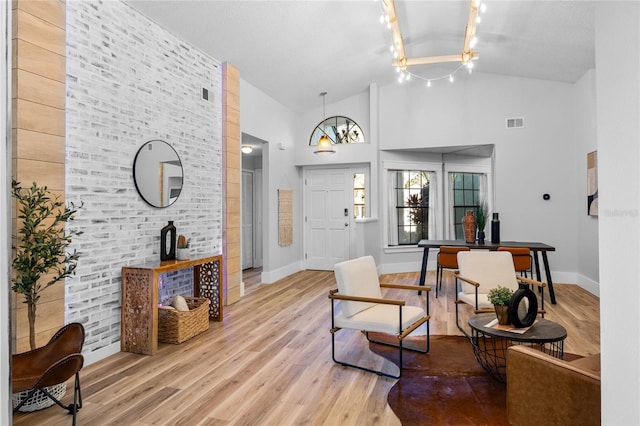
x=490, y=343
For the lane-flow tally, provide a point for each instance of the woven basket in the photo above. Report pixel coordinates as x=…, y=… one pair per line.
x=178, y=326
x=39, y=400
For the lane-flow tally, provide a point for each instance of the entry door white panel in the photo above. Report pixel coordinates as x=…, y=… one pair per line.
x=327, y=228
x=247, y=219
x=257, y=218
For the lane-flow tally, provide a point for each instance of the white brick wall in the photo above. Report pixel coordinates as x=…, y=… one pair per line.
x=130, y=81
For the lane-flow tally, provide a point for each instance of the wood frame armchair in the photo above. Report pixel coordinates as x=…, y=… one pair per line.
x=479, y=271
x=362, y=307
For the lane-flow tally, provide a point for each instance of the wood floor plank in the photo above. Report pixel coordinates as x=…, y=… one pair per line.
x=269, y=362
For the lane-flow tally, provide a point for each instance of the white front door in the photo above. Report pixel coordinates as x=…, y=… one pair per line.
x=247, y=219
x=328, y=194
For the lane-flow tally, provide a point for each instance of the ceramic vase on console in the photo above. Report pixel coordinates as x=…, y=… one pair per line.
x=168, y=248
x=469, y=227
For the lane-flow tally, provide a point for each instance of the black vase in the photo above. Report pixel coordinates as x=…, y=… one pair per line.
x=481, y=237
x=495, y=229
x=169, y=254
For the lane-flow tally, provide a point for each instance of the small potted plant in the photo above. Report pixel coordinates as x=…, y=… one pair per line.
x=182, y=246
x=500, y=297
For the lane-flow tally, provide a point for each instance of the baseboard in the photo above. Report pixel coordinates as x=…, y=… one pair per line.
x=101, y=353
x=559, y=277
x=268, y=277
x=398, y=268
x=588, y=284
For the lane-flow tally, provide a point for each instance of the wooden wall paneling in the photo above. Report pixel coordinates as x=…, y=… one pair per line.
x=41, y=90
x=39, y=146
x=44, y=173
x=37, y=31
x=39, y=117
x=38, y=112
x=39, y=61
x=51, y=11
x=231, y=180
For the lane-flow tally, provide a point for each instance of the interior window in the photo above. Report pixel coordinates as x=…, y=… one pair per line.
x=468, y=190
x=410, y=224
x=339, y=130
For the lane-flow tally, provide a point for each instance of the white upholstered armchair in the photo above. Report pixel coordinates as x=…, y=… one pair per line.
x=362, y=307
x=480, y=271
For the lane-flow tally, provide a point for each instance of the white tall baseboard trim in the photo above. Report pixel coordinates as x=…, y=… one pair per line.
x=268, y=277
x=101, y=353
x=588, y=284
x=397, y=268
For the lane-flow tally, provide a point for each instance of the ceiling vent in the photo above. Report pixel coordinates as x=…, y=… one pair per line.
x=515, y=123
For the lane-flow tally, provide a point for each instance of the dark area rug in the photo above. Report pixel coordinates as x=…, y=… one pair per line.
x=446, y=386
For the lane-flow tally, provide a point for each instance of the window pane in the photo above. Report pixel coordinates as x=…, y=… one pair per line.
x=476, y=181
x=468, y=197
x=466, y=190
x=358, y=180
x=412, y=202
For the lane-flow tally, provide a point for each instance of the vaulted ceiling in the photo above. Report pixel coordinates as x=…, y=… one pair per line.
x=293, y=50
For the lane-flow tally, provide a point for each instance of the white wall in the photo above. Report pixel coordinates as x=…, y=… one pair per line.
x=618, y=107
x=264, y=118
x=588, y=274
x=529, y=162
x=547, y=156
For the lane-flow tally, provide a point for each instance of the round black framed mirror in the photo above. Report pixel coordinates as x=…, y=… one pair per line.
x=157, y=173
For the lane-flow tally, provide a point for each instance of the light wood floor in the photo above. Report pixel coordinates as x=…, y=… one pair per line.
x=269, y=363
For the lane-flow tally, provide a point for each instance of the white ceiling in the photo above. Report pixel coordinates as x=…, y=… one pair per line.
x=293, y=50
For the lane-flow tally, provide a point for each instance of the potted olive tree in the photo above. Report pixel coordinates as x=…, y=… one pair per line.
x=40, y=257
x=500, y=297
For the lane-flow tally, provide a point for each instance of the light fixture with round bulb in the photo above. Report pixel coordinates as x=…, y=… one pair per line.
x=324, y=145
x=246, y=149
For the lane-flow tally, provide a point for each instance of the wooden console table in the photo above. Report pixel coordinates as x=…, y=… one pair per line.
x=139, y=323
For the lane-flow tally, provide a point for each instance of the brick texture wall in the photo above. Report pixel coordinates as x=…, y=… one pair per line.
x=128, y=82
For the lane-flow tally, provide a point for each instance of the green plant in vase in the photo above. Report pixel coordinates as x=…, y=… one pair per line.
x=500, y=298
x=41, y=258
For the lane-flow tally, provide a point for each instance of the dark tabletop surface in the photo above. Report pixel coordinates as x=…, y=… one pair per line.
x=487, y=245
x=541, y=331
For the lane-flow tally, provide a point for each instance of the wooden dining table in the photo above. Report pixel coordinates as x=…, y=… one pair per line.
x=535, y=248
